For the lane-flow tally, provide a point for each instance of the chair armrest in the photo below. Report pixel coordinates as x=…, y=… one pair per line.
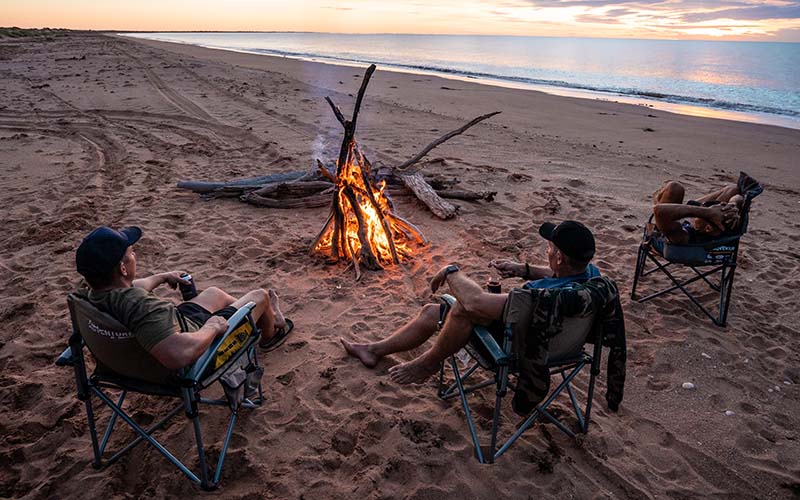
x=66, y=358
x=485, y=338
x=195, y=371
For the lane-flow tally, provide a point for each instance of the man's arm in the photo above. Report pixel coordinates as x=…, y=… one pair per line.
x=512, y=269
x=173, y=278
x=182, y=349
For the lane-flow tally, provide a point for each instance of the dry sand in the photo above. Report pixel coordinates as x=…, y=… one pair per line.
x=97, y=130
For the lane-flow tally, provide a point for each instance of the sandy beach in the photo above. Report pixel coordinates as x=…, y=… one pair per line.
x=97, y=129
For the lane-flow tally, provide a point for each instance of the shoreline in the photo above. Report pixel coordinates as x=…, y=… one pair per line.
x=568, y=90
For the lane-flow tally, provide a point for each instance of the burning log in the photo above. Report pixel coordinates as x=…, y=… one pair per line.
x=361, y=226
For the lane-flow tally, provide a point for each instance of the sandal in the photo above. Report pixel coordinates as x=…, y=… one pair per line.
x=278, y=339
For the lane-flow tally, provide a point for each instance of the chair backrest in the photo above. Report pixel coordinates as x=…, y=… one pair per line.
x=115, y=349
x=744, y=215
x=523, y=305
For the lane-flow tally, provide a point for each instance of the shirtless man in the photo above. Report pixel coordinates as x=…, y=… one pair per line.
x=711, y=215
x=570, y=248
x=175, y=336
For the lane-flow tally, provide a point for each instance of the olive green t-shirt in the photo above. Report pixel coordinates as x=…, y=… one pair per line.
x=151, y=319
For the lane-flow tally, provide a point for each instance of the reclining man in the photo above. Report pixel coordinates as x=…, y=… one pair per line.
x=712, y=215
x=175, y=336
x=570, y=248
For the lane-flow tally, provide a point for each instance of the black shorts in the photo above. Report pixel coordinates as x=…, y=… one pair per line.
x=199, y=314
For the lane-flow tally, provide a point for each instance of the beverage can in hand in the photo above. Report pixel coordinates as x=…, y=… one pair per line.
x=188, y=291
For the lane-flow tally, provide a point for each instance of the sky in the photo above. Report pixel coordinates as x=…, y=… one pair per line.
x=766, y=20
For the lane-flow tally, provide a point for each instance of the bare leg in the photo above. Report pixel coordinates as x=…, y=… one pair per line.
x=262, y=313
x=280, y=321
x=213, y=299
x=722, y=195
x=412, y=334
x=454, y=335
x=671, y=193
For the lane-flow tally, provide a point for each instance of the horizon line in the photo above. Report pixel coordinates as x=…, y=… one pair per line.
x=407, y=34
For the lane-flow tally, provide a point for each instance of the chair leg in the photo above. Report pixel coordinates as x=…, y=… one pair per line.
x=637, y=272
x=97, y=463
x=467, y=412
x=500, y=393
x=193, y=413
x=110, y=428
x=225, y=444
x=726, y=290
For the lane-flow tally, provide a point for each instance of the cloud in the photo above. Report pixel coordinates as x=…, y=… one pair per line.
x=751, y=13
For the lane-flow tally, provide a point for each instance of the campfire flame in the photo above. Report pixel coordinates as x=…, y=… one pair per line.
x=361, y=216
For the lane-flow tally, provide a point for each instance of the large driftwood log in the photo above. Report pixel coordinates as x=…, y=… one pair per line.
x=207, y=187
x=315, y=201
x=293, y=189
x=422, y=190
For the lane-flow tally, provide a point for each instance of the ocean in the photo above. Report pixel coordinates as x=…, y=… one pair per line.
x=747, y=81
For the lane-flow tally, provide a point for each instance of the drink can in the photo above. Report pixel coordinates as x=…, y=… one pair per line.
x=188, y=291
x=494, y=287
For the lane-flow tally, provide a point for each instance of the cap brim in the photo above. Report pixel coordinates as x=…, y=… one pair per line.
x=546, y=230
x=132, y=233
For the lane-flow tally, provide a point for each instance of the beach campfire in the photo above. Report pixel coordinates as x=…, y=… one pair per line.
x=362, y=226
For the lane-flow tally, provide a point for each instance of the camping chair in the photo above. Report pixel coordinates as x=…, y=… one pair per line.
x=567, y=358
x=123, y=365
x=719, y=254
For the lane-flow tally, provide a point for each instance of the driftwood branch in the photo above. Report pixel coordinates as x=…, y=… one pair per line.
x=427, y=149
x=422, y=190
x=207, y=187
x=337, y=112
x=315, y=201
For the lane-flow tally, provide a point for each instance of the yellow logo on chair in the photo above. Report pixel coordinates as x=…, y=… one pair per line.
x=232, y=344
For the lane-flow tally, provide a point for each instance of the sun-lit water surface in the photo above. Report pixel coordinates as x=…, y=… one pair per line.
x=737, y=80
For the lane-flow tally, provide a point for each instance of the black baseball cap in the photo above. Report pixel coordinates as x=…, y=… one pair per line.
x=571, y=237
x=101, y=251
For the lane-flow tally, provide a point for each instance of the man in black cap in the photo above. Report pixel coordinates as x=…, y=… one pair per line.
x=570, y=248
x=175, y=335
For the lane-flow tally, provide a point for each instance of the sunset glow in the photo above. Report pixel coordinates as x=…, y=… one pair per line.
x=773, y=20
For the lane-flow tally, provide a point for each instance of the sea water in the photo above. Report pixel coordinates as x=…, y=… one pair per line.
x=750, y=81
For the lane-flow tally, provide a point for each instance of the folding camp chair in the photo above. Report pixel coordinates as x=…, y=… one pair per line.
x=123, y=365
x=567, y=358
x=719, y=254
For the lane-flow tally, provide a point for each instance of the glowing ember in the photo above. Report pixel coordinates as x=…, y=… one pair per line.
x=360, y=213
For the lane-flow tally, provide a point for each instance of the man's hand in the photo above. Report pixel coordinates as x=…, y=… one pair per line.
x=508, y=268
x=438, y=279
x=217, y=323
x=173, y=279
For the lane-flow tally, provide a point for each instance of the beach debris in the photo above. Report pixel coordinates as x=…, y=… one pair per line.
x=705, y=355
x=729, y=413
x=308, y=189
x=688, y=386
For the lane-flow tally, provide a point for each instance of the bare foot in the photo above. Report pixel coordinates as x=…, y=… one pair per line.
x=362, y=352
x=280, y=321
x=413, y=372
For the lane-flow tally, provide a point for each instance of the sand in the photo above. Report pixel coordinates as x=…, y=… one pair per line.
x=97, y=129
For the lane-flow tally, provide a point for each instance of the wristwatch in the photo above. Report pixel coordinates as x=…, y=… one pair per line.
x=452, y=268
